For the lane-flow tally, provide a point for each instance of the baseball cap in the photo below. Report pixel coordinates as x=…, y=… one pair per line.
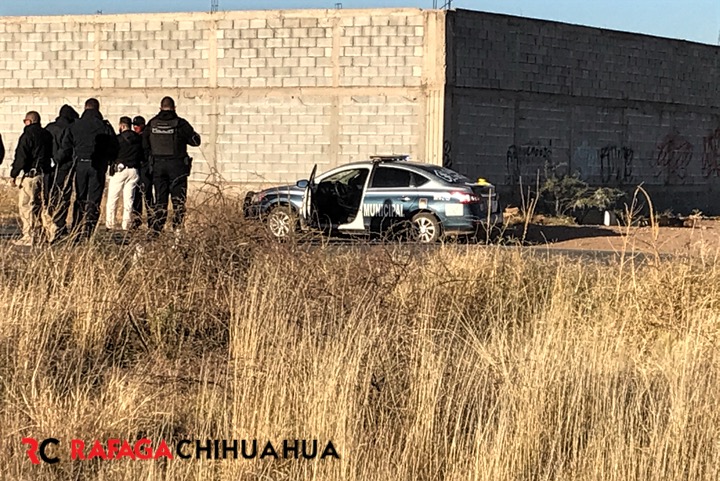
x=138, y=120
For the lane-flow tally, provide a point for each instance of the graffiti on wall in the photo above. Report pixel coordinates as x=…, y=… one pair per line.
x=711, y=154
x=585, y=159
x=673, y=155
x=447, y=154
x=527, y=160
x=616, y=164
x=611, y=164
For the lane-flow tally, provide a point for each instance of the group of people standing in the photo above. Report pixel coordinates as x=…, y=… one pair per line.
x=146, y=165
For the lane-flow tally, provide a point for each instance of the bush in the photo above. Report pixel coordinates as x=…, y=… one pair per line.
x=568, y=194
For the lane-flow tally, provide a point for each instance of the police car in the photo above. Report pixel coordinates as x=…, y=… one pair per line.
x=382, y=195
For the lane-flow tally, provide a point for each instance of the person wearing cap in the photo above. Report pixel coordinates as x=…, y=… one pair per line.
x=124, y=174
x=144, y=188
x=32, y=158
x=138, y=124
x=165, y=141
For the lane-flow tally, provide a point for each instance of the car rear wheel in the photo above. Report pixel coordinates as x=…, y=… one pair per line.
x=426, y=228
x=282, y=222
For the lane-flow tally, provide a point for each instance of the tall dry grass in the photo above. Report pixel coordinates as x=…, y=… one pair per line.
x=455, y=363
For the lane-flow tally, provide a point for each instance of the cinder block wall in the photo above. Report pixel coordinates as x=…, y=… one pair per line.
x=271, y=92
x=619, y=108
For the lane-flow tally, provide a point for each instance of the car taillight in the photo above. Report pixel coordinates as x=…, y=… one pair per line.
x=465, y=198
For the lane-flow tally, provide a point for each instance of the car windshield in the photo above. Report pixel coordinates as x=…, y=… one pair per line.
x=344, y=177
x=446, y=174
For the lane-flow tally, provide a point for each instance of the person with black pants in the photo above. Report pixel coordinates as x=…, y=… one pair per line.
x=165, y=141
x=144, y=190
x=92, y=144
x=60, y=180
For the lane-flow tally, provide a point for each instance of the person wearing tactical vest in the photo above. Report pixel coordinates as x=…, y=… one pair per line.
x=165, y=140
x=92, y=144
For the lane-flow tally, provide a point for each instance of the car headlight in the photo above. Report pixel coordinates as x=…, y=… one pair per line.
x=257, y=197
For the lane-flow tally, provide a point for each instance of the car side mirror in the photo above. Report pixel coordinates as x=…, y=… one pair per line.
x=302, y=183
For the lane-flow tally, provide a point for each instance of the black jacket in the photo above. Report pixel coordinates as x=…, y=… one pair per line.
x=185, y=135
x=34, y=151
x=91, y=137
x=130, y=152
x=67, y=116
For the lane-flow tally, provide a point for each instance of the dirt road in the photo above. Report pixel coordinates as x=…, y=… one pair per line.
x=702, y=238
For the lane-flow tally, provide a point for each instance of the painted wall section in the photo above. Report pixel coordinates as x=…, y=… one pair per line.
x=529, y=97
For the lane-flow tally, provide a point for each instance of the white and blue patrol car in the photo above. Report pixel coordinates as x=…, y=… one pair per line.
x=377, y=196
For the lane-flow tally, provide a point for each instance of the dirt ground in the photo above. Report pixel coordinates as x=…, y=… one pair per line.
x=702, y=238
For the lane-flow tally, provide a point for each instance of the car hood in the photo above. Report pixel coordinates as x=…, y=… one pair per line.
x=292, y=188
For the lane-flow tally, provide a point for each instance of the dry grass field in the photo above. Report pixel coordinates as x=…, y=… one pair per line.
x=456, y=363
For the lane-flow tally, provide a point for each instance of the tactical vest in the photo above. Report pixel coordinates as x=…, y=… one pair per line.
x=163, y=137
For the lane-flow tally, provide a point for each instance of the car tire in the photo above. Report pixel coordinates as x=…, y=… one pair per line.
x=282, y=222
x=426, y=228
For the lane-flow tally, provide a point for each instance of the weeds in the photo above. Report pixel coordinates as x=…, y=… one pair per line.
x=456, y=362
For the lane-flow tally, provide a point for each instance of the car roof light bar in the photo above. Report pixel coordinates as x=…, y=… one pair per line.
x=389, y=158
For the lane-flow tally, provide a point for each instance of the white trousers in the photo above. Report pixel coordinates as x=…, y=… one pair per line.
x=121, y=183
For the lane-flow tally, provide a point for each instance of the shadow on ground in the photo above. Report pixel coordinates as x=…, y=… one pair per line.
x=544, y=234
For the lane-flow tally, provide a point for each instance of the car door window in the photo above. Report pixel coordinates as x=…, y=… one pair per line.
x=417, y=180
x=392, y=177
x=389, y=177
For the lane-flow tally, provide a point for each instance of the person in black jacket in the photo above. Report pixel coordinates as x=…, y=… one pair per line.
x=165, y=141
x=124, y=174
x=144, y=189
x=91, y=143
x=60, y=181
x=32, y=158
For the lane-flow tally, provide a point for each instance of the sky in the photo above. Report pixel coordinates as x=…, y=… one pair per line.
x=693, y=20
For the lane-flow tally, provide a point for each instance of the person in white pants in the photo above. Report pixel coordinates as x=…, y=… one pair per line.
x=124, y=175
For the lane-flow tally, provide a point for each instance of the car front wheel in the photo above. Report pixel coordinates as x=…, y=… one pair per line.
x=282, y=222
x=426, y=228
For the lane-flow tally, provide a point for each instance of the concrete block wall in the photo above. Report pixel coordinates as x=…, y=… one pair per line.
x=271, y=92
x=620, y=109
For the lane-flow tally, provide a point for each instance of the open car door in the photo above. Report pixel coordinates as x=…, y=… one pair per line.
x=308, y=209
